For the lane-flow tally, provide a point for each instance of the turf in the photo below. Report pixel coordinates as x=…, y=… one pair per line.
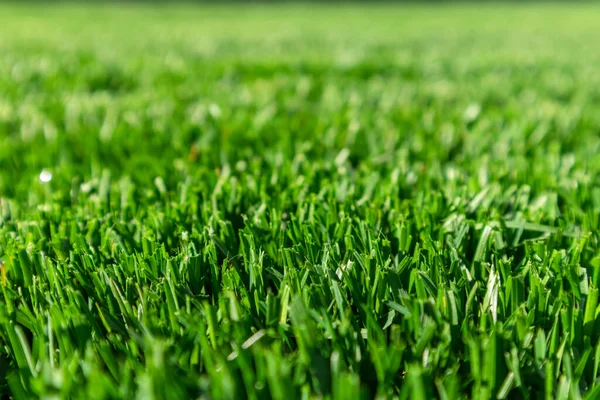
x=299, y=201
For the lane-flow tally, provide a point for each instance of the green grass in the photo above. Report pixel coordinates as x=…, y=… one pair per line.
x=300, y=202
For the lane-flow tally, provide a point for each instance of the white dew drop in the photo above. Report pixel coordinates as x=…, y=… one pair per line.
x=45, y=176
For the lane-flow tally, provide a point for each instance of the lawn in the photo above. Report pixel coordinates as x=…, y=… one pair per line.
x=299, y=201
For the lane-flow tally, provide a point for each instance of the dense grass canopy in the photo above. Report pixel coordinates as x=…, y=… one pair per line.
x=299, y=202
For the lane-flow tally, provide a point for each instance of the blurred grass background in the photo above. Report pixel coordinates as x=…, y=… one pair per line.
x=63, y=63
